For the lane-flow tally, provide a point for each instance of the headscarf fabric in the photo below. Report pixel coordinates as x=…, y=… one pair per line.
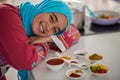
x=28, y=11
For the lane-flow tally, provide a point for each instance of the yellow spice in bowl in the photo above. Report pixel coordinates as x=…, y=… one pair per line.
x=95, y=57
x=66, y=57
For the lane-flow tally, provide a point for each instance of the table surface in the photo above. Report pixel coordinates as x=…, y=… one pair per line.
x=107, y=45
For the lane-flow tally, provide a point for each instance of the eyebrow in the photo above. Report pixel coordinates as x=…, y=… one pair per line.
x=58, y=28
x=56, y=19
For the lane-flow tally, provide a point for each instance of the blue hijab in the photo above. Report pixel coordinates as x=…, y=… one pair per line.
x=28, y=11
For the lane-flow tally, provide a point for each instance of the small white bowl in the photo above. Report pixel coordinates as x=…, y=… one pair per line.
x=93, y=61
x=55, y=63
x=99, y=74
x=80, y=54
x=105, y=21
x=75, y=74
x=93, y=58
x=82, y=66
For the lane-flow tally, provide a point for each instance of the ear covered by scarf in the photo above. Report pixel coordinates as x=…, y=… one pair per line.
x=28, y=11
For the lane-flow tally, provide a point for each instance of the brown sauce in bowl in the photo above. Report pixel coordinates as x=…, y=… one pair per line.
x=74, y=75
x=81, y=54
x=55, y=61
x=106, y=16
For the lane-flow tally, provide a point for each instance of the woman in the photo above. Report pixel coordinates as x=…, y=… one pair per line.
x=23, y=27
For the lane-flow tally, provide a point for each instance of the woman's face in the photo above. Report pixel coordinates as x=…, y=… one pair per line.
x=47, y=24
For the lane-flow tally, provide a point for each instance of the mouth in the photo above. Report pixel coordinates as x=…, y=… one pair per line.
x=41, y=27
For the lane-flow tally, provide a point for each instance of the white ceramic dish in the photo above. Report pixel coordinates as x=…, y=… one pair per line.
x=96, y=57
x=66, y=58
x=82, y=66
x=77, y=71
x=99, y=74
x=106, y=21
x=55, y=63
x=80, y=54
x=93, y=61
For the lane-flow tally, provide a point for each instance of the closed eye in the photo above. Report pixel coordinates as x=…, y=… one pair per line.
x=53, y=18
x=56, y=19
x=56, y=29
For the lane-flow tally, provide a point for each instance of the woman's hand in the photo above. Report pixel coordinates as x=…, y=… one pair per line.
x=37, y=39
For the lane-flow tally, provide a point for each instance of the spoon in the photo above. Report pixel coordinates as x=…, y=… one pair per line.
x=90, y=12
x=81, y=65
x=58, y=54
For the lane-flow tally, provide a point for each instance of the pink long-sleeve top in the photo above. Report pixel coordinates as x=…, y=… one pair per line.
x=14, y=43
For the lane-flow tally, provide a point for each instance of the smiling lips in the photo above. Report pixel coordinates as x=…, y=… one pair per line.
x=41, y=27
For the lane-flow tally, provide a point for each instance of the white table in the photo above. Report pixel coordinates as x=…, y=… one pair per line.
x=108, y=45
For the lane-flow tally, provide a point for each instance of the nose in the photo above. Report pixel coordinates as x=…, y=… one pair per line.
x=50, y=27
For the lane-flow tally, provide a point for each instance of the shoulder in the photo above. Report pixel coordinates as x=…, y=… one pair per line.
x=10, y=19
x=9, y=13
x=8, y=8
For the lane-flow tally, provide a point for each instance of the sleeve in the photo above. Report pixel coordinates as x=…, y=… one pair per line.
x=14, y=44
x=41, y=50
x=65, y=40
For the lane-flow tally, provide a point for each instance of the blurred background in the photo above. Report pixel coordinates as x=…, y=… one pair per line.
x=113, y=5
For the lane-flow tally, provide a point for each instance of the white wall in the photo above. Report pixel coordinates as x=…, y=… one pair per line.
x=17, y=2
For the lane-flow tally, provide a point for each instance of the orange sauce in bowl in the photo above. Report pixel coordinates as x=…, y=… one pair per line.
x=55, y=61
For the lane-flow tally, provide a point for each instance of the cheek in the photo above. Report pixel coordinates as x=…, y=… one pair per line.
x=51, y=33
x=35, y=27
x=44, y=18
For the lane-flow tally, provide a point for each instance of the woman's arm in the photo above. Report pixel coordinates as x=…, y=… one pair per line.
x=65, y=40
x=14, y=43
x=37, y=39
x=61, y=42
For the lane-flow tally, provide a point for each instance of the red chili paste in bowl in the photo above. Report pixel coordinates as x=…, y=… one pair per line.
x=55, y=61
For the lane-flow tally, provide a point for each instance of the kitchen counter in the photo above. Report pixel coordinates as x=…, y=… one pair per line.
x=107, y=45
x=102, y=40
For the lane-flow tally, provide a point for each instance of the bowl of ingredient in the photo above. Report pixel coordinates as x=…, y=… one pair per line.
x=75, y=74
x=82, y=66
x=99, y=69
x=66, y=58
x=80, y=54
x=55, y=63
x=94, y=57
x=105, y=17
